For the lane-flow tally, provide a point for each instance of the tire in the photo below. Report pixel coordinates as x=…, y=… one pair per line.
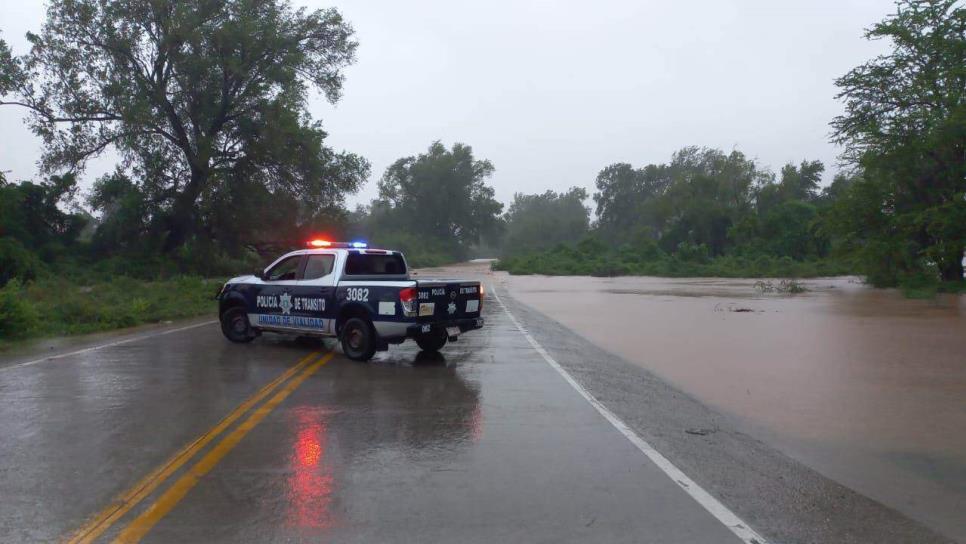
x=432, y=341
x=358, y=339
x=235, y=325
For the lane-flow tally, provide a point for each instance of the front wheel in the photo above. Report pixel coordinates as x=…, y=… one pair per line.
x=432, y=341
x=235, y=326
x=358, y=340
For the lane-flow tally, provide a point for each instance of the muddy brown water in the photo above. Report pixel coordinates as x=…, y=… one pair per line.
x=861, y=384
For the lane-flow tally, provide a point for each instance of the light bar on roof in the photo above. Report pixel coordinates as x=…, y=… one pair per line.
x=327, y=244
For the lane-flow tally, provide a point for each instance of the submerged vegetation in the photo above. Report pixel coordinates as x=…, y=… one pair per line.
x=784, y=286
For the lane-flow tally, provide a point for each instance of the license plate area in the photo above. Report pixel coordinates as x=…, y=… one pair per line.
x=452, y=331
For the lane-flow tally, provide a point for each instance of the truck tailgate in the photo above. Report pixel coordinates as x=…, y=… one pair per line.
x=445, y=300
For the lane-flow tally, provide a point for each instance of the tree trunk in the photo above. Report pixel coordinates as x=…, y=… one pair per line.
x=182, y=222
x=951, y=268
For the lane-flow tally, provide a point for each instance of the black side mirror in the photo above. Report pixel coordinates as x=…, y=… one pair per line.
x=260, y=274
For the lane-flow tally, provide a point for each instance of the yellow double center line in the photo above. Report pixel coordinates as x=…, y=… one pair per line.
x=105, y=519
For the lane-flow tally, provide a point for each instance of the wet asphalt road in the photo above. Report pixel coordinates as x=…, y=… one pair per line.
x=486, y=443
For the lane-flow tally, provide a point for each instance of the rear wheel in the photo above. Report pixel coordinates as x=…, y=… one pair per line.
x=358, y=339
x=432, y=341
x=235, y=326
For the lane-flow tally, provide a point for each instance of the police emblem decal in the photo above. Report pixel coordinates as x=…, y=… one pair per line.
x=451, y=308
x=285, y=303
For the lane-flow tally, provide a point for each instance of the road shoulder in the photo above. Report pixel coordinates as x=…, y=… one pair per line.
x=34, y=351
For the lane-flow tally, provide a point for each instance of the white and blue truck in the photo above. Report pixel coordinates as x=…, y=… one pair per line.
x=364, y=297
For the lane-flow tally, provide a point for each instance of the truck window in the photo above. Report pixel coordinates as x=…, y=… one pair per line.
x=367, y=264
x=318, y=266
x=284, y=270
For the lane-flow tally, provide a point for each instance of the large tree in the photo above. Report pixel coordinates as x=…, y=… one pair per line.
x=10, y=72
x=199, y=98
x=905, y=127
x=693, y=200
x=541, y=221
x=440, y=195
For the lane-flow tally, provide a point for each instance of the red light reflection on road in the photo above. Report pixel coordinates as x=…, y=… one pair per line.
x=476, y=423
x=311, y=482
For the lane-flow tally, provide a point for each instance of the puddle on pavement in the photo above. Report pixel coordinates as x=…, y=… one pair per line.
x=863, y=385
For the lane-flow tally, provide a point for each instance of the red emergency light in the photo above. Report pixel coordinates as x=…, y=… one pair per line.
x=344, y=245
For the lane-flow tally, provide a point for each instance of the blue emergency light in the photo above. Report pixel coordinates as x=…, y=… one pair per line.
x=328, y=244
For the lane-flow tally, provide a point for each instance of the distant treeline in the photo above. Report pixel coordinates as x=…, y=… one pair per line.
x=703, y=213
x=898, y=216
x=223, y=168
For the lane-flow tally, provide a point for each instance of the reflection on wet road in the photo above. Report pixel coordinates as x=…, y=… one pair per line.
x=485, y=443
x=862, y=384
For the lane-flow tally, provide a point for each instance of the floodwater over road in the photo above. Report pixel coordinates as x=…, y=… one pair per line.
x=863, y=385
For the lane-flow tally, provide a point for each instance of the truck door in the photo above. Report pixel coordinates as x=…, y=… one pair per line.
x=272, y=304
x=314, y=294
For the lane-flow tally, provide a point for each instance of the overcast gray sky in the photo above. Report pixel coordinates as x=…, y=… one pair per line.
x=551, y=92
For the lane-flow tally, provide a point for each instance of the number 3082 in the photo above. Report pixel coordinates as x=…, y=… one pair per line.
x=358, y=294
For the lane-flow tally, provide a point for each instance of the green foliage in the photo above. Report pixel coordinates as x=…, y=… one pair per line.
x=11, y=73
x=535, y=222
x=692, y=253
x=870, y=234
x=921, y=285
x=205, y=101
x=33, y=228
x=18, y=317
x=591, y=256
x=696, y=199
x=786, y=230
x=124, y=226
x=435, y=206
x=58, y=305
x=706, y=213
x=706, y=204
x=905, y=126
x=31, y=213
x=420, y=252
x=16, y=261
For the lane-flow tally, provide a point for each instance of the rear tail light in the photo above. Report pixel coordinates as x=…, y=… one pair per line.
x=407, y=297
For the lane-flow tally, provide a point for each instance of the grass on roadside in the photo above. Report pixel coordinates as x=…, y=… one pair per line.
x=55, y=306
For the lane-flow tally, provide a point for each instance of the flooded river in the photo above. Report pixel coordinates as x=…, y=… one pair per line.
x=863, y=385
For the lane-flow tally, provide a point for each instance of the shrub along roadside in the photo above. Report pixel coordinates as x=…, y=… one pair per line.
x=54, y=306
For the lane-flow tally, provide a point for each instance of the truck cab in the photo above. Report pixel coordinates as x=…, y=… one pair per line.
x=364, y=297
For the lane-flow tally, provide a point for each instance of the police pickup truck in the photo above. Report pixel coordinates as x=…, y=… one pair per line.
x=365, y=297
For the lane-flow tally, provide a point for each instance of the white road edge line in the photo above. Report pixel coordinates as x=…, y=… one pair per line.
x=711, y=504
x=108, y=345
